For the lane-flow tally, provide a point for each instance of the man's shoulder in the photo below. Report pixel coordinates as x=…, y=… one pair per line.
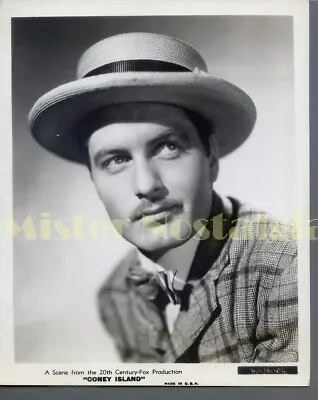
x=260, y=232
x=261, y=248
x=116, y=280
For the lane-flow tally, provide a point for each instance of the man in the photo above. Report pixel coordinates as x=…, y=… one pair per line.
x=210, y=279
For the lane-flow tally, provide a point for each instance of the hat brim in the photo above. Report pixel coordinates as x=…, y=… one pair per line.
x=229, y=109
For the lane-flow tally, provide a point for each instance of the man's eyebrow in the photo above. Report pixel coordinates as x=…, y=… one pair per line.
x=170, y=133
x=103, y=153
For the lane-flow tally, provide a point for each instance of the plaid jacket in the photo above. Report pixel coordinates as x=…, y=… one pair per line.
x=242, y=309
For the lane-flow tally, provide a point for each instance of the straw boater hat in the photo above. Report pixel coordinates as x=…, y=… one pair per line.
x=141, y=67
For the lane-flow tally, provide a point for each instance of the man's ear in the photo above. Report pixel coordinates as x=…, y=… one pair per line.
x=213, y=159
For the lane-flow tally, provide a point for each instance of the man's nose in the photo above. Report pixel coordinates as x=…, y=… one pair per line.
x=148, y=183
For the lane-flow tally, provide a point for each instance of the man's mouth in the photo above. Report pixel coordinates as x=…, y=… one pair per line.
x=159, y=213
x=158, y=210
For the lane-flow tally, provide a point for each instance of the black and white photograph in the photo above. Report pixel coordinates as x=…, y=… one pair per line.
x=159, y=197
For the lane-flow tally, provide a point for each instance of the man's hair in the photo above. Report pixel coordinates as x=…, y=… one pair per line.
x=204, y=129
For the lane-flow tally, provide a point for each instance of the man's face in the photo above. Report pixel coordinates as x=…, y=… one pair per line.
x=152, y=174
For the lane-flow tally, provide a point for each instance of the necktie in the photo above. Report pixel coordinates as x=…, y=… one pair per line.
x=159, y=286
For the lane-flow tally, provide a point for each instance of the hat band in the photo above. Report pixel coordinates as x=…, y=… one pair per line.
x=137, y=66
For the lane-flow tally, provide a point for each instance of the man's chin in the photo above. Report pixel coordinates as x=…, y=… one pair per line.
x=158, y=237
x=153, y=244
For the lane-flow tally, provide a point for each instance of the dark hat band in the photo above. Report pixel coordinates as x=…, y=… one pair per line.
x=137, y=66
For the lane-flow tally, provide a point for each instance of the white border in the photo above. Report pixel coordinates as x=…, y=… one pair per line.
x=204, y=374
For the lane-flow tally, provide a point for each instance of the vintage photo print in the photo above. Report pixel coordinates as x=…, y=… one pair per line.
x=156, y=205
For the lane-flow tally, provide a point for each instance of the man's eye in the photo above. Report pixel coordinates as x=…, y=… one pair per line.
x=168, y=150
x=115, y=162
x=171, y=147
x=119, y=160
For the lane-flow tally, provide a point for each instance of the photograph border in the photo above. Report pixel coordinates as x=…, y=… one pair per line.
x=226, y=374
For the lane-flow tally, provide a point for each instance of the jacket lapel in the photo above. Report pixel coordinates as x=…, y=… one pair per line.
x=146, y=318
x=148, y=325
x=203, y=309
x=211, y=257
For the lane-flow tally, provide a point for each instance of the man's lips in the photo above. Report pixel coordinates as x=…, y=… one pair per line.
x=158, y=212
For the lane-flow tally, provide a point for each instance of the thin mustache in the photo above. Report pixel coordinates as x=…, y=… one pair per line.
x=153, y=208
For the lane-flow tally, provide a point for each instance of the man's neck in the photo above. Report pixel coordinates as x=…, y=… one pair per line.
x=178, y=260
x=181, y=258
